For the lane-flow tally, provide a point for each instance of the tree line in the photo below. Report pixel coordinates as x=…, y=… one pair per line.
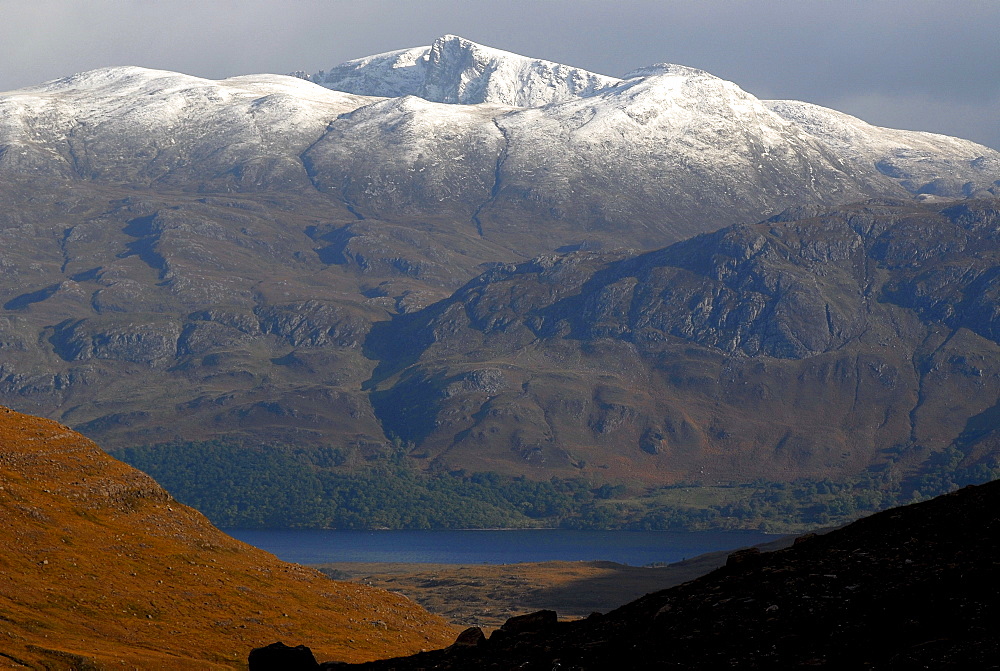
x=256, y=486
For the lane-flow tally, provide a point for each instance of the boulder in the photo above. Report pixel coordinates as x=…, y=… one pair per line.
x=280, y=657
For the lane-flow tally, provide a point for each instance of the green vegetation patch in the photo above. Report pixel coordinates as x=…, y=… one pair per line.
x=274, y=487
x=242, y=486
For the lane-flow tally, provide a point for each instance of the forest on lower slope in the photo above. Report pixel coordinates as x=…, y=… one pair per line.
x=254, y=486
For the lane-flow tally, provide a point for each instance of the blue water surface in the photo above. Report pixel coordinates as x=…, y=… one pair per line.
x=635, y=548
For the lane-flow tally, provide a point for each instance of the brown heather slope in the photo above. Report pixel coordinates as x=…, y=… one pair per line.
x=101, y=568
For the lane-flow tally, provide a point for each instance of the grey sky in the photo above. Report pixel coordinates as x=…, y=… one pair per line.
x=919, y=64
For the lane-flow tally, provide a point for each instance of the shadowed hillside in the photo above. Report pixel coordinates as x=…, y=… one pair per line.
x=909, y=588
x=101, y=566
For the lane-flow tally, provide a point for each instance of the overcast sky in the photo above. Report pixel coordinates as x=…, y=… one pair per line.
x=920, y=64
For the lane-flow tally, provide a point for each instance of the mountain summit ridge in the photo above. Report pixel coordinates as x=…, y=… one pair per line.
x=456, y=70
x=670, y=152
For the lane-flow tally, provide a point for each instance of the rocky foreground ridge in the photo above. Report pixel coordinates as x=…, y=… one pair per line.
x=909, y=588
x=101, y=568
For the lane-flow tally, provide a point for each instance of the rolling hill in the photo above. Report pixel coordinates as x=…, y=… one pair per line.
x=102, y=567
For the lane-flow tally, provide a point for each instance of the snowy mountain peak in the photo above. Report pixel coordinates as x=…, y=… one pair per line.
x=124, y=79
x=456, y=70
x=669, y=146
x=657, y=69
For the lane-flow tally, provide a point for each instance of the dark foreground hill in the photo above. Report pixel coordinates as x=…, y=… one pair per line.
x=101, y=568
x=909, y=588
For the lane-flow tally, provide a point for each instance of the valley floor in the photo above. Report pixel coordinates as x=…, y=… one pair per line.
x=486, y=595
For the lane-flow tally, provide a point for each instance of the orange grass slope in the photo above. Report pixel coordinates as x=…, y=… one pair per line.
x=101, y=568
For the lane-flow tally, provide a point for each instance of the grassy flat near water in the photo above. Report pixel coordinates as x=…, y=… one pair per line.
x=486, y=595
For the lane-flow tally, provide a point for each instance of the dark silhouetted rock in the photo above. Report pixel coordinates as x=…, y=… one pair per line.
x=471, y=637
x=741, y=556
x=281, y=657
x=531, y=622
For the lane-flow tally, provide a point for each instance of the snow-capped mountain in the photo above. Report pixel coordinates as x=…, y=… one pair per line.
x=230, y=252
x=140, y=126
x=667, y=152
x=660, y=153
x=923, y=163
x=455, y=70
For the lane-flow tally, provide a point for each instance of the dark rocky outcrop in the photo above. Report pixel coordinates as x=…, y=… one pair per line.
x=470, y=637
x=530, y=623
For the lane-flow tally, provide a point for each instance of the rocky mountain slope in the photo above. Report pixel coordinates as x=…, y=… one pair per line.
x=823, y=346
x=186, y=259
x=102, y=567
x=910, y=588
